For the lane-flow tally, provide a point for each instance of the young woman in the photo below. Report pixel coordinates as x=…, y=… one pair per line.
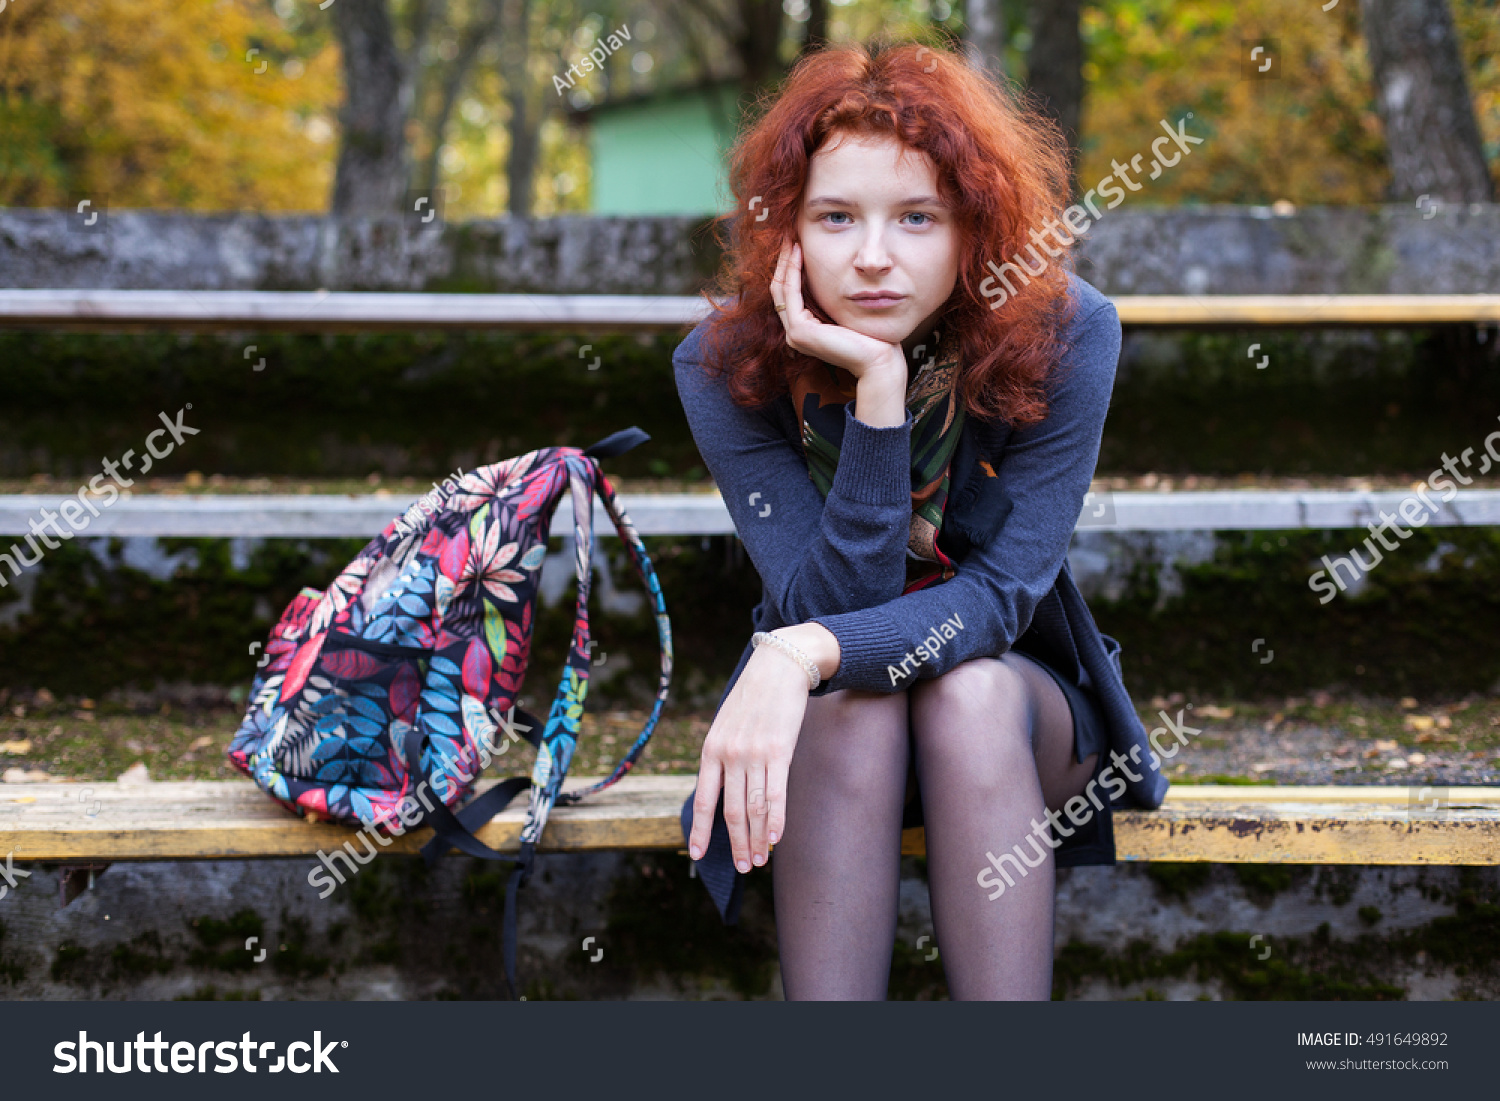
x=902, y=403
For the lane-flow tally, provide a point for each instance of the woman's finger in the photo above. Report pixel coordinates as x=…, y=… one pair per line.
x=735, y=816
x=705, y=803
x=755, y=805
x=793, y=283
x=776, y=779
x=778, y=289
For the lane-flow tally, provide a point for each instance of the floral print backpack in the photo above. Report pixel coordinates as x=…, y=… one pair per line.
x=401, y=678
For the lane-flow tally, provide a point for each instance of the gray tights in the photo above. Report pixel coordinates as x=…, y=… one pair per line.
x=993, y=743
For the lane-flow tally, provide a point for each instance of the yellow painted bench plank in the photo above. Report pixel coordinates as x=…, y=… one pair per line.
x=1306, y=309
x=201, y=820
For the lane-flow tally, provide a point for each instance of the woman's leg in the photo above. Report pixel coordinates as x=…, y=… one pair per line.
x=994, y=748
x=837, y=868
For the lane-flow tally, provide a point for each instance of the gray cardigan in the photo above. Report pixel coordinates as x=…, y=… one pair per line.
x=842, y=562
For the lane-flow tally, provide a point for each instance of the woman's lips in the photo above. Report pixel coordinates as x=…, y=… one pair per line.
x=881, y=303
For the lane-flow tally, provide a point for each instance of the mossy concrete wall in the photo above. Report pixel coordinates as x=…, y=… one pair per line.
x=165, y=930
x=1133, y=250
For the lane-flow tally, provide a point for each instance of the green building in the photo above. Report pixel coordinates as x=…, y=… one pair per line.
x=661, y=152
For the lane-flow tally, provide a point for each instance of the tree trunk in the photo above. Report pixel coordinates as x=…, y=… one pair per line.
x=525, y=135
x=1431, y=137
x=374, y=161
x=815, y=36
x=984, y=36
x=486, y=26
x=1054, y=67
x=758, y=42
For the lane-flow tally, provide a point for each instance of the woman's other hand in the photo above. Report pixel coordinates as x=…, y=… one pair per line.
x=748, y=751
x=856, y=353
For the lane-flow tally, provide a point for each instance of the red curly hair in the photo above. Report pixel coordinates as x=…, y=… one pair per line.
x=1002, y=168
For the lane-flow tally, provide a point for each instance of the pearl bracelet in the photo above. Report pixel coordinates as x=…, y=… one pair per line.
x=814, y=678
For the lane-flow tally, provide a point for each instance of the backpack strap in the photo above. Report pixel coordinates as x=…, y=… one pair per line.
x=616, y=443
x=637, y=550
x=452, y=830
x=555, y=753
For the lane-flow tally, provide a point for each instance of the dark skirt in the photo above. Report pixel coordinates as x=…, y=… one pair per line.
x=1093, y=842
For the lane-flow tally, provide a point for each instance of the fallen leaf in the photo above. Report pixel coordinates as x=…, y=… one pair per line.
x=1407, y=703
x=135, y=774
x=1385, y=745
x=19, y=748
x=1417, y=759
x=1396, y=763
x=1213, y=711
x=1417, y=722
x=24, y=776
x=201, y=743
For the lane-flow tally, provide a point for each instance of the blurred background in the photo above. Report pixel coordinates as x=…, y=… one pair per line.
x=579, y=148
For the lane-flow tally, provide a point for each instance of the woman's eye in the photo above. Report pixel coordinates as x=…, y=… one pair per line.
x=921, y=214
x=836, y=214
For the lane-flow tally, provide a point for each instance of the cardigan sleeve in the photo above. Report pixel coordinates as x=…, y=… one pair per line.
x=815, y=557
x=1044, y=473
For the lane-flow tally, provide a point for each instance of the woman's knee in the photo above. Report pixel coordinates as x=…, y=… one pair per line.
x=856, y=742
x=975, y=721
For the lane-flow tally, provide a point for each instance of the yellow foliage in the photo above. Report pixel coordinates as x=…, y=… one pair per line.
x=158, y=103
x=1311, y=136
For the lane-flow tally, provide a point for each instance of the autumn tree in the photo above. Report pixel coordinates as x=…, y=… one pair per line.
x=1431, y=136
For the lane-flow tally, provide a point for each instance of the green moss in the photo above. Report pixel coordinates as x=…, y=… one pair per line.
x=1232, y=781
x=10, y=970
x=68, y=962
x=1296, y=971
x=291, y=955
x=143, y=956
x=1411, y=632
x=1178, y=880
x=210, y=993
x=662, y=921
x=914, y=977
x=221, y=944
x=1263, y=882
x=1468, y=938
x=336, y=404
x=1370, y=915
x=1339, y=882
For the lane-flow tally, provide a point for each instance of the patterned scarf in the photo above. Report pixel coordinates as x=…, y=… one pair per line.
x=937, y=420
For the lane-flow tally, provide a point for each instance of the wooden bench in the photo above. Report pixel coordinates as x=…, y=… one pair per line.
x=78, y=822
x=348, y=311
x=308, y=516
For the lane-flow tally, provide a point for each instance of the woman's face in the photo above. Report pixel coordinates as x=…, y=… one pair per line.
x=872, y=223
